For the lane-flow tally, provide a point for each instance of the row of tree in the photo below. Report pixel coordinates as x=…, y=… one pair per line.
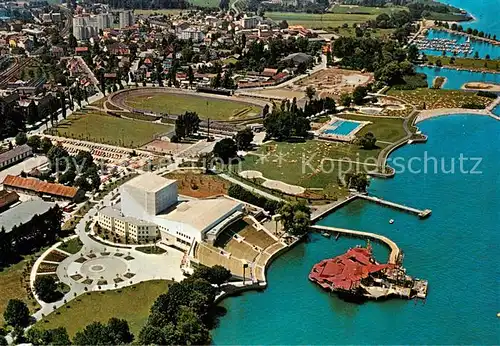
x=182, y=315
x=40, y=231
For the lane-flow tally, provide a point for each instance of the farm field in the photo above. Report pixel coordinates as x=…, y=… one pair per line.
x=437, y=98
x=312, y=164
x=102, y=128
x=131, y=303
x=337, y=16
x=212, y=108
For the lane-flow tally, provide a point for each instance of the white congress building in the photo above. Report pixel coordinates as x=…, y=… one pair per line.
x=150, y=207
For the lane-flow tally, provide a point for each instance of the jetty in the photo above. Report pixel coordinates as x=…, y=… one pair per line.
x=395, y=254
x=421, y=213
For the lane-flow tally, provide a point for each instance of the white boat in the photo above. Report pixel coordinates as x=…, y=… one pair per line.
x=326, y=234
x=391, y=221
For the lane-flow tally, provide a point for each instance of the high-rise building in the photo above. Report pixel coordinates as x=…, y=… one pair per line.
x=87, y=26
x=126, y=19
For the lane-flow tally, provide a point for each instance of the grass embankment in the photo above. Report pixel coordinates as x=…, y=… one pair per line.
x=216, y=109
x=72, y=246
x=130, y=303
x=379, y=33
x=467, y=63
x=437, y=98
x=13, y=283
x=102, y=128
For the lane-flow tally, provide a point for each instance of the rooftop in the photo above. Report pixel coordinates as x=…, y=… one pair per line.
x=346, y=271
x=150, y=182
x=202, y=213
x=23, y=213
x=40, y=186
x=19, y=150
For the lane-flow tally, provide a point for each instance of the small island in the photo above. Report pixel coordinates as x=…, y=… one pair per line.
x=356, y=275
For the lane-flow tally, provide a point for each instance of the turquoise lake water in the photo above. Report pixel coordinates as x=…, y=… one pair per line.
x=457, y=249
x=456, y=78
x=483, y=48
x=485, y=12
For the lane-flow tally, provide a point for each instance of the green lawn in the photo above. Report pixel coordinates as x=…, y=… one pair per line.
x=130, y=303
x=438, y=98
x=207, y=3
x=212, y=108
x=72, y=246
x=101, y=128
x=307, y=164
x=384, y=129
x=468, y=63
x=13, y=281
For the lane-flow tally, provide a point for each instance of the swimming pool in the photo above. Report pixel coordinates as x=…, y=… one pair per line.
x=341, y=127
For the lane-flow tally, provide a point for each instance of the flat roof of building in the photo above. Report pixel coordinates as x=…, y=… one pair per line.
x=202, y=213
x=14, y=152
x=23, y=213
x=150, y=182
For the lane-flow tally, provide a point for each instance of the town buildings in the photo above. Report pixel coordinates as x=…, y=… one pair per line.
x=43, y=189
x=87, y=26
x=126, y=19
x=15, y=155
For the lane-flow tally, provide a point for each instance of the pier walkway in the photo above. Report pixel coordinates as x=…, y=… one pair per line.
x=421, y=213
x=394, y=254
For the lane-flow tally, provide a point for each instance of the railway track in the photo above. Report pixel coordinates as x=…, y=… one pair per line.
x=6, y=76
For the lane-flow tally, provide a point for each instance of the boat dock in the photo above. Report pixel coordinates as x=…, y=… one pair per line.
x=395, y=254
x=421, y=213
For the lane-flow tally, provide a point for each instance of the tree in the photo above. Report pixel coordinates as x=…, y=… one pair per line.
x=151, y=335
x=72, y=43
x=58, y=336
x=225, y=149
x=345, y=100
x=93, y=334
x=310, y=92
x=186, y=124
x=21, y=138
x=283, y=24
x=45, y=145
x=46, y=288
x=16, y=314
x=219, y=275
x=34, y=142
x=3, y=341
x=244, y=139
x=190, y=75
x=190, y=329
x=439, y=63
x=296, y=218
x=358, y=181
x=359, y=94
x=119, y=331
x=368, y=141
x=217, y=81
x=412, y=52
